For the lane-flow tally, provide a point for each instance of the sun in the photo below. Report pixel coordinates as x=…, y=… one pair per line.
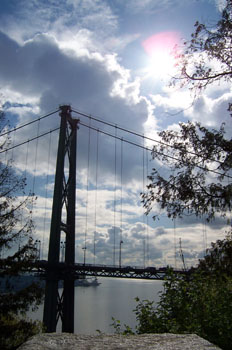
x=160, y=62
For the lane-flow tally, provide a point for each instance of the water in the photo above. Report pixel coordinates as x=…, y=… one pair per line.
x=95, y=306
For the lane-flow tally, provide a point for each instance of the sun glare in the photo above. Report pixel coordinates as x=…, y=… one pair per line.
x=160, y=54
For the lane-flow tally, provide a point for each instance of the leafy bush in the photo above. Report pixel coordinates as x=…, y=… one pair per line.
x=16, y=330
x=200, y=302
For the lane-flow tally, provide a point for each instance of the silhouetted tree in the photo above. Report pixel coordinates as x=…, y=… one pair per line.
x=17, y=250
x=209, y=45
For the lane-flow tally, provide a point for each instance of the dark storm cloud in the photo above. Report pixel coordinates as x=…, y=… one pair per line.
x=40, y=69
x=45, y=68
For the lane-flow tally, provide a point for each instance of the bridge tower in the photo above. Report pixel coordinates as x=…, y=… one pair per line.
x=63, y=219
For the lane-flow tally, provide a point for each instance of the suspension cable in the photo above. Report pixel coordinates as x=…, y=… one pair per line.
x=143, y=191
x=117, y=137
x=174, y=240
x=121, y=187
x=29, y=140
x=137, y=134
x=36, y=155
x=147, y=216
x=96, y=189
x=87, y=193
x=24, y=176
x=149, y=149
x=115, y=187
x=29, y=123
x=46, y=194
x=12, y=153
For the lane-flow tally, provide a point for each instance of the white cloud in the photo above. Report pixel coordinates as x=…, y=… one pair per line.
x=173, y=100
x=220, y=4
x=212, y=112
x=64, y=19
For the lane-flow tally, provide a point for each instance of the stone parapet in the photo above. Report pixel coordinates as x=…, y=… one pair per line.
x=65, y=341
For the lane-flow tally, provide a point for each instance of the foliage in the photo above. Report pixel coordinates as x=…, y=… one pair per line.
x=118, y=328
x=199, y=303
x=16, y=330
x=200, y=159
x=219, y=257
x=17, y=251
x=208, y=45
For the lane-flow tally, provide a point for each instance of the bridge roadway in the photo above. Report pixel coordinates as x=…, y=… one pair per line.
x=63, y=270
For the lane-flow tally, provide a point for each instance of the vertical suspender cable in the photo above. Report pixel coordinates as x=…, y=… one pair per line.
x=96, y=188
x=35, y=167
x=230, y=218
x=147, y=219
x=24, y=176
x=115, y=187
x=204, y=235
x=6, y=153
x=13, y=143
x=46, y=195
x=174, y=233
x=144, y=239
x=87, y=194
x=174, y=224
x=121, y=188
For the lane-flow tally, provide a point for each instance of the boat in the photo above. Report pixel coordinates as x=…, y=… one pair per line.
x=87, y=282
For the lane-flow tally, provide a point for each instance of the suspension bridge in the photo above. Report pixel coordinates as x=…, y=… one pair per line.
x=61, y=263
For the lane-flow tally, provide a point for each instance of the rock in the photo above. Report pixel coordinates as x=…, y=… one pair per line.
x=65, y=341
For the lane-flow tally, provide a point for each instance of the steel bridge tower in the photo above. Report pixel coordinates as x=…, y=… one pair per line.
x=63, y=219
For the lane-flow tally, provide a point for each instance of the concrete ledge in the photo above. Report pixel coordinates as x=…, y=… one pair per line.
x=65, y=341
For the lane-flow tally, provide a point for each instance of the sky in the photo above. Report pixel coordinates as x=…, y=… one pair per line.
x=113, y=60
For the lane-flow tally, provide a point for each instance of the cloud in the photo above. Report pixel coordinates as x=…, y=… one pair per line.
x=159, y=231
x=165, y=242
x=210, y=109
x=219, y=223
x=149, y=6
x=61, y=18
x=138, y=231
x=221, y=4
x=212, y=112
x=49, y=75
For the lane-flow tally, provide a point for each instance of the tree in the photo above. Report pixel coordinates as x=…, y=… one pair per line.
x=200, y=303
x=207, y=46
x=200, y=181
x=17, y=251
x=200, y=159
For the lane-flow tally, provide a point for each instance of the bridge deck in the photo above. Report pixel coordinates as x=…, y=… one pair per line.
x=63, y=270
